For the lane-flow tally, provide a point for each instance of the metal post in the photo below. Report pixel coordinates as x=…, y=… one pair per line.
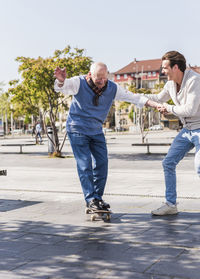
x=50, y=140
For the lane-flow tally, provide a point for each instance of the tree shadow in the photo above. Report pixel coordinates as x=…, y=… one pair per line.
x=131, y=246
x=137, y=157
x=141, y=156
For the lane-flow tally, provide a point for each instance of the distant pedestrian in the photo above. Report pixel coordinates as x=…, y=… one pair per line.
x=183, y=87
x=38, y=131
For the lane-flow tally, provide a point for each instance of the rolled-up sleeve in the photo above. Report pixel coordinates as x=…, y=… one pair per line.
x=70, y=87
x=123, y=95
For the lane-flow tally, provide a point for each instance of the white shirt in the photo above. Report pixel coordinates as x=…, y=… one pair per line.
x=71, y=87
x=38, y=128
x=186, y=101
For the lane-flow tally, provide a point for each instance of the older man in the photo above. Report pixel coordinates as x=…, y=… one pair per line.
x=183, y=87
x=93, y=95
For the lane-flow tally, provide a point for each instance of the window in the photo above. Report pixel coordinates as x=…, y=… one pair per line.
x=124, y=121
x=151, y=84
x=149, y=74
x=154, y=74
x=118, y=76
x=125, y=76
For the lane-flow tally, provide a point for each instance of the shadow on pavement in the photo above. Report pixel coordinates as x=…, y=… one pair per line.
x=138, y=246
x=141, y=156
x=7, y=205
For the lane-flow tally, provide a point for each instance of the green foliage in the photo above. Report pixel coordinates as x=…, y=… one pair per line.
x=130, y=115
x=36, y=90
x=159, y=86
x=34, y=93
x=27, y=119
x=5, y=103
x=133, y=89
x=124, y=105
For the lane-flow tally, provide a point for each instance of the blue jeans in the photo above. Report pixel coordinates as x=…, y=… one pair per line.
x=182, y=144
x=91, y=157
x=38, y=135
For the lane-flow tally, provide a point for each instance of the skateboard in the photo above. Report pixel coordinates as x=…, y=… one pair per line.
x=95, y=214
x=3, y=172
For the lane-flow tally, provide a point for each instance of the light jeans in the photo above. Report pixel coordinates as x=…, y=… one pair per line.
x=182, y=144
x=91, y=157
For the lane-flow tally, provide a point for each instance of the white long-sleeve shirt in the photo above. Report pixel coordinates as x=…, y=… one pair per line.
x=186, y=101
x=71, y=87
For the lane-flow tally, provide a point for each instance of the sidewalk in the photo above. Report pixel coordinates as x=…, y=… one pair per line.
x=45, y=233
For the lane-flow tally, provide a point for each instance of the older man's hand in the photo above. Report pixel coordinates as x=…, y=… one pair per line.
x=60, y=74
x=162, y=108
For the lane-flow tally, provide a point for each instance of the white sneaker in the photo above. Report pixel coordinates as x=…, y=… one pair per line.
x=165, y=209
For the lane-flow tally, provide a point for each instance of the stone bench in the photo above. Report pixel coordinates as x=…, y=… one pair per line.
x=18, y=144
x=148, y=144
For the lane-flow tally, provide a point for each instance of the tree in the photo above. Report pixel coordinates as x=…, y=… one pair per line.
x=35, y=95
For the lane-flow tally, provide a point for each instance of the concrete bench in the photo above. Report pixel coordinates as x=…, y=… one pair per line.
x=18, y=144
x=148, y=144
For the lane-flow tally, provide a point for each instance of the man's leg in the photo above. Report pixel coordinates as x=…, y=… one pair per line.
x=81, y=148
x=180, y=146
x=39, y=134
x=100, y=164
x=196, y=142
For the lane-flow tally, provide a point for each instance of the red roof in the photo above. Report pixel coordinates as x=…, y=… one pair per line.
x=141, y=66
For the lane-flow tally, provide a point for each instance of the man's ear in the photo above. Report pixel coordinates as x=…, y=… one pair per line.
x=176, y=67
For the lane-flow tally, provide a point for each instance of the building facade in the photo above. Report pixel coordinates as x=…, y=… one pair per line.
x=141, y=74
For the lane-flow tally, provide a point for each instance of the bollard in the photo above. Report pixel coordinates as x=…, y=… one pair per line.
x=50, y=143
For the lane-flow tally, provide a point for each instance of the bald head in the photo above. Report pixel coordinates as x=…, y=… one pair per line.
x=95, y=67
x=99, y=74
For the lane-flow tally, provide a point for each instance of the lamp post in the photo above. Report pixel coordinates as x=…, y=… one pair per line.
x=117, y=120
x=11, y=119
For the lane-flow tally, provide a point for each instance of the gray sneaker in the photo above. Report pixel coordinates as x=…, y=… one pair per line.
x=165, y=209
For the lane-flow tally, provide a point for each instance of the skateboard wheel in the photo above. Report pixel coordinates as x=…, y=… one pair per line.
x=87, y=211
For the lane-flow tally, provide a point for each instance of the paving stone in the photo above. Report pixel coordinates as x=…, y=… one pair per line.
x=10, y=261
x=184, y=266
x=75, y=268
x=41, y=238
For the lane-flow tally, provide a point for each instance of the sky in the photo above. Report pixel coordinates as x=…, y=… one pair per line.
x=112, y=31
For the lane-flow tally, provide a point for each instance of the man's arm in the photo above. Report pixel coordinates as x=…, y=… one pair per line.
x=161, y=97
x=139, y=100
x=192, y=104
x=64, y=85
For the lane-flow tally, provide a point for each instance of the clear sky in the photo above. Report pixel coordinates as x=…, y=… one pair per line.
x=111, y=31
